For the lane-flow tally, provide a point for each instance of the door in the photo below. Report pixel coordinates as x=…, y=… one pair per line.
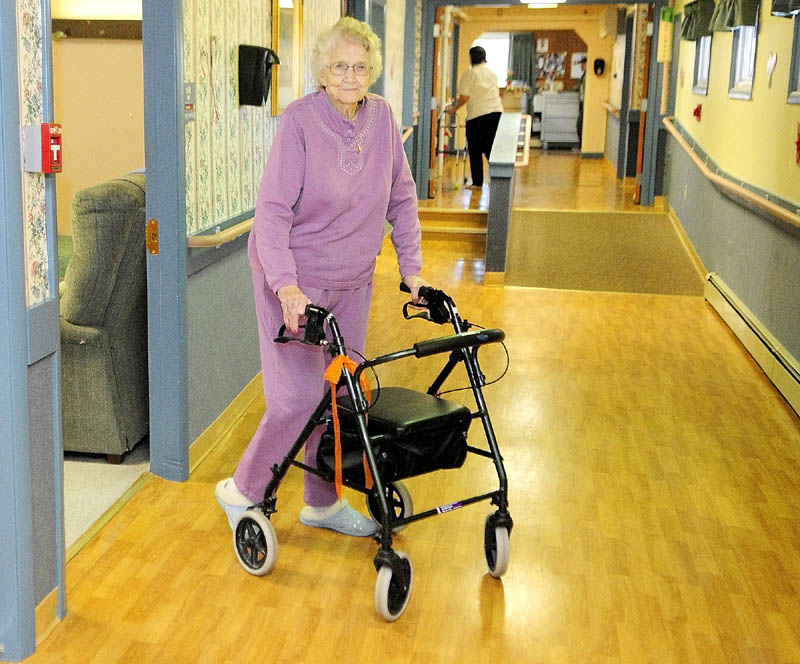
x=162, y=46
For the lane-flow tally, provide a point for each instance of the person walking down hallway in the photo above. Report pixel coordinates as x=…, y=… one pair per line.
x=335, y=171
x=478, y=89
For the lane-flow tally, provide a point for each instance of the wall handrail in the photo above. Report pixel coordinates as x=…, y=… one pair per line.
x=611, y=109
x=741, y=192
x=222, y=237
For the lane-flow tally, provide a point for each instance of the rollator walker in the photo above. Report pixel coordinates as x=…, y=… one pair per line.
x=399, y=433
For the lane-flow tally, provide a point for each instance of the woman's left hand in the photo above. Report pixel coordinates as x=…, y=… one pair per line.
x=415, y=282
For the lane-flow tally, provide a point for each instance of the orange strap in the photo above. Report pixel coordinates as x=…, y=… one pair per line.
x=332, y=375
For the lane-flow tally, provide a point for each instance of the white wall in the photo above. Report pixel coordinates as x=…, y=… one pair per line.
x=617, y=72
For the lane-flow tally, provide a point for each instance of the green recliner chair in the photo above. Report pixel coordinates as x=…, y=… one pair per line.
x=104, y=321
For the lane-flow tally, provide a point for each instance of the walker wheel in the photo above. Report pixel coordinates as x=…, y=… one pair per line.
x=399, y=503
x=393, y=590
x=495, y=545
x=255, y=542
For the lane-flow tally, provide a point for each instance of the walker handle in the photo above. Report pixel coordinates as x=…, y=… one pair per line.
x=458, y=341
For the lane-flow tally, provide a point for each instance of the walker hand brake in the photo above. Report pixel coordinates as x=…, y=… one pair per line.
x=423, y=312
x=435, y=301
x=313, y=331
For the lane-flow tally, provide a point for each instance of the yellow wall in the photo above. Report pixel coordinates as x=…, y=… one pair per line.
x=584, y=20
x=98, y=99
x=752, y=140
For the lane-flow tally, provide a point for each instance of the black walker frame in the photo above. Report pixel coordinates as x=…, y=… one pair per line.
x=253, y=533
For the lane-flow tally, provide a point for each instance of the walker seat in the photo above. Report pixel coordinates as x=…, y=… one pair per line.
x=411, y=433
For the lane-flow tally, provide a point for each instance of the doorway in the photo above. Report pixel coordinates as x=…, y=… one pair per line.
x=98, y=100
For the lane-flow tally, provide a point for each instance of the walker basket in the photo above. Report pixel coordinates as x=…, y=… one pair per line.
x=412, y=433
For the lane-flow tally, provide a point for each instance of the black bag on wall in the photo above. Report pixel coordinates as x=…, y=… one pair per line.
x=255, y=66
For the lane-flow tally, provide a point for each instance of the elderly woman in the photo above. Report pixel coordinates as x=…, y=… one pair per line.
x=335, y=172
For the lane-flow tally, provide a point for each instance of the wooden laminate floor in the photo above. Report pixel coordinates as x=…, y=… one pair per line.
x=553, y=180
x=654, y=483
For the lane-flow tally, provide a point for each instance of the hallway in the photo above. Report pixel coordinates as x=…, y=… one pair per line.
x=553, y=180
x=653, y=479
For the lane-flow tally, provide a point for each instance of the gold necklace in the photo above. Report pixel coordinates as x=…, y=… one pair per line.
x=351, y=117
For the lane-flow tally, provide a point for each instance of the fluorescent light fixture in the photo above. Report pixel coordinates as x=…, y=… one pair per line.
x=536, y=5
x=97, y=10
x=286, y=4
x=542, y=2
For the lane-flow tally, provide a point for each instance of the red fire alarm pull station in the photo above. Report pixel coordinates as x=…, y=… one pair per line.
x=797, y=157
x=41, y=152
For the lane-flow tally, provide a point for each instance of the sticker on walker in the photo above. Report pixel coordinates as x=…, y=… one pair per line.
x=448, y=508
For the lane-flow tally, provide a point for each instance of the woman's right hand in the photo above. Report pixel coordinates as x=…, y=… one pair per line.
x=293, y=303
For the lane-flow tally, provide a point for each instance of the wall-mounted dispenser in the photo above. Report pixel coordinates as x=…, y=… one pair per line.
x=599, y=66
x=255, y=68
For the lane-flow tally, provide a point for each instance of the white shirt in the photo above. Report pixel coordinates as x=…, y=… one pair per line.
x=479, y=83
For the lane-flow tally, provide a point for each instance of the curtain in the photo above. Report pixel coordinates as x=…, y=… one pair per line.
x=521, y=62
x=689, y=21
x=730, y=14
x=697, y=19
x=786, y=8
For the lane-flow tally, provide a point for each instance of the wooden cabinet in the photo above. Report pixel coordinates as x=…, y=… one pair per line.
x=559, y=117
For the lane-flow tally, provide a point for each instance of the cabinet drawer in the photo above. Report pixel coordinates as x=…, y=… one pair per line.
x=562, y=111
x=560, y=124
x=560, y=136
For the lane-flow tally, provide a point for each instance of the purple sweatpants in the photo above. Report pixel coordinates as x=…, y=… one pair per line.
x=293, y=386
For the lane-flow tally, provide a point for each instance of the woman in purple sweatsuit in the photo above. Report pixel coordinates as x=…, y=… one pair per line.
x=335, y=172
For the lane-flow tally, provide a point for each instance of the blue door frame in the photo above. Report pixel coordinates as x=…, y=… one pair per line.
x=17, y=629
x=28, y=335
x=373, y=12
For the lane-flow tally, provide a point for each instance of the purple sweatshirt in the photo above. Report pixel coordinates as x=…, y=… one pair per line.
x=328, y=186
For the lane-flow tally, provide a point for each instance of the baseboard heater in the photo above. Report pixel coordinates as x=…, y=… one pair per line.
x=776, y=362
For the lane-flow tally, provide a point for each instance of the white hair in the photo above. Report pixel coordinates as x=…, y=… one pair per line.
x=346, y=29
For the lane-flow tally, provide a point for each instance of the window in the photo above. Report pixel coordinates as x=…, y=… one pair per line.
x=794, y=75
x=702, y=64
x=496, y=45
x=743, y=61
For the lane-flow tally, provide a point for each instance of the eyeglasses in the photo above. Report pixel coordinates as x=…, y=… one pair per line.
x=340, y=69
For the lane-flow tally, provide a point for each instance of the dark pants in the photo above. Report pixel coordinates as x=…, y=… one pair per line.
x=579, y=124
x=480, y=136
